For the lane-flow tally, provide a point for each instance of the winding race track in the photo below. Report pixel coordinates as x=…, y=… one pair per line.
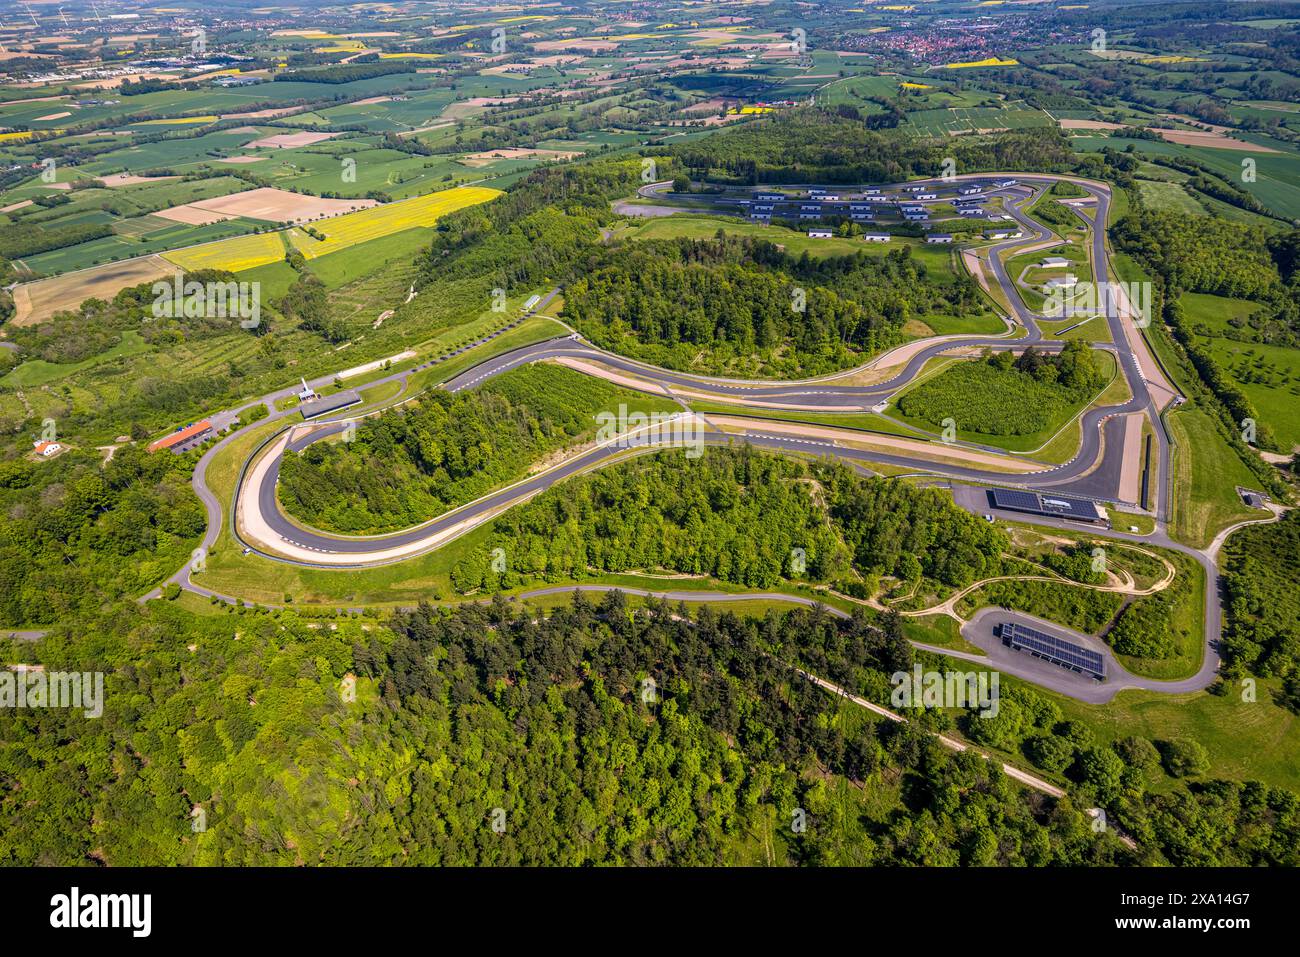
x=259, y=524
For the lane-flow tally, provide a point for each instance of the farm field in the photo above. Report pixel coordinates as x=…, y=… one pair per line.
x=962, y=119
x=1269, y=375
x=234, y=255
x=37, y=301
x=155, y=235
x=1277, y=182
x=341, y=267
x=280, y=206
x=240, y=252
x=354, y=228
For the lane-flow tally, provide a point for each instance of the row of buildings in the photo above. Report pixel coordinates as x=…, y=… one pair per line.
x=824, y=232
x=864, y=205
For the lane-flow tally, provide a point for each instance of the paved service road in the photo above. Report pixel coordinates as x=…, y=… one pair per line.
x=976, y=500
x=979, y=631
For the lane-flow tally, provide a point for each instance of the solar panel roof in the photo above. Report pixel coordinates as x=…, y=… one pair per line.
x=1010, y=498
x=1049, y=504
x=1051, y=646
x=330, y=403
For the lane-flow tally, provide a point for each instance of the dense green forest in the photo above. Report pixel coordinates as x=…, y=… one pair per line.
x=1202, y=254
x=736, y=515
x=742, y=306
x=410, y=465
x=595, y=734
x=76, y=535
x=812, y=145
x=1006, y=394
x=537, y=231
x=1262, y=603
x=1145, y=628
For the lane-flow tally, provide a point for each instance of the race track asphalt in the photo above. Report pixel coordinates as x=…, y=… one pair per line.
x=1092, y=472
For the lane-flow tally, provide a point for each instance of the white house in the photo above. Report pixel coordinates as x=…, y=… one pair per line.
x=1054, y=262
x=876, y=237
x=46, y=449
x=820, y=233
x=939, y=238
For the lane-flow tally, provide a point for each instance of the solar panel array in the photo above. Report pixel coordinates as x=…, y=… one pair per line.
x=1054, y=649
x=1044, y=504
x=1010, y=498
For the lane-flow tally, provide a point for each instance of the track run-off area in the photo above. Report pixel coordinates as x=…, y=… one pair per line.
x=259, y=526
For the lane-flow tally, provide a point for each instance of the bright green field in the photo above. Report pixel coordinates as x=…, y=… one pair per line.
x=1268, y=375
x=347, y=265
x=1277, y=183
x=38, y=372
x=1206, y=471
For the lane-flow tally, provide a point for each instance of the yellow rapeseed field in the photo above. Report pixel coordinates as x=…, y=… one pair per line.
x=341, y=46
x=235, y=254
x=259, y=249
x=989, y=61
x=359, y=227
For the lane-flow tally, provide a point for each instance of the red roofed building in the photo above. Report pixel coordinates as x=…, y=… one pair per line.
x=182, y=440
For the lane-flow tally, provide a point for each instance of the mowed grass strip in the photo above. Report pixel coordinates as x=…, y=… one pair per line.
x=234, y=254
x=376, y=222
